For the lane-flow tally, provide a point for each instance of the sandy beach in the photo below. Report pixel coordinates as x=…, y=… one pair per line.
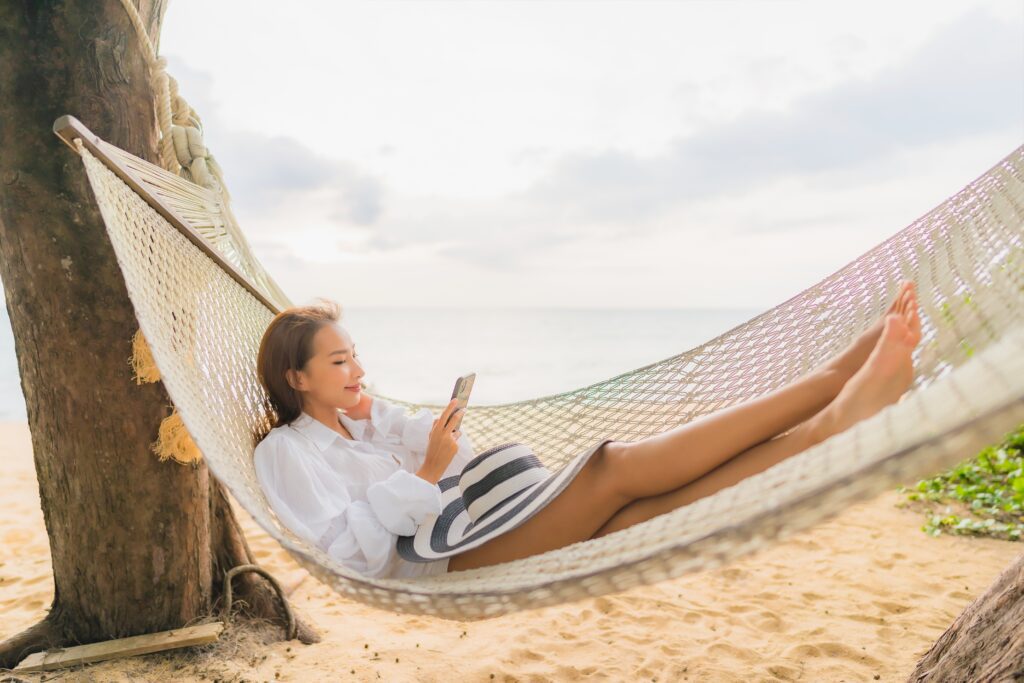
x=858, y=598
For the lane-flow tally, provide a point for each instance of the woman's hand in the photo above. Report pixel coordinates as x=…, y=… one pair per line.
x=442, y=443
x=361, y=410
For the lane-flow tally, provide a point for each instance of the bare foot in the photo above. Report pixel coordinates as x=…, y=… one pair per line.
x=850, y=360
x=911, y=314
x=884, y=377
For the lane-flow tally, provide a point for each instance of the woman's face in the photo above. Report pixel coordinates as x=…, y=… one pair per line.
x=331, y=376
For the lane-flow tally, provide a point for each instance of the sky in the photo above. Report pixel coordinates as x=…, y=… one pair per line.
x=595, y=155
x=591, y=154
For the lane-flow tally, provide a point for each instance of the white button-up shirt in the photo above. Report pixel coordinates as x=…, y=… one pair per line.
x=354, y=498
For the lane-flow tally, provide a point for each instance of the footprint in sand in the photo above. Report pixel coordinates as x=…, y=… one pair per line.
x=528, y=654
x=734, y=609
x=28, y=603
x=804, y=650
x=765, y=595
x=769, y=622
x=786, y=673
x=743, y=654
x=866, y=618
x=734, y=573
x=38, y=578
x=891, y=607
x=890, y=634
x=840, y=650
x=670, y=650
x=568, y=673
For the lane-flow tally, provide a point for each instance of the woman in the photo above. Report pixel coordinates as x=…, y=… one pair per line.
x=351, y=473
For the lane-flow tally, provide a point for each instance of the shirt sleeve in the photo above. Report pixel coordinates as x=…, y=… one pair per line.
x=312, y=501
x=414, y=432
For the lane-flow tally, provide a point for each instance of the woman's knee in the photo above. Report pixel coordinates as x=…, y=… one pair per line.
x=610, y=466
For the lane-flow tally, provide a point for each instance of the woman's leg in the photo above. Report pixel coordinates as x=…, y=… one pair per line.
x=601, y=489
x=666, y=461
x=885, y=377
x=620, y=470
x=732, y=471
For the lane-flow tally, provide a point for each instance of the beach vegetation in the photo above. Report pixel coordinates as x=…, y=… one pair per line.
x=981, y=496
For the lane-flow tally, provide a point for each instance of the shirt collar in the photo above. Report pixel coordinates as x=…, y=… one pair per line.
x=357, y=428
x=323, y=436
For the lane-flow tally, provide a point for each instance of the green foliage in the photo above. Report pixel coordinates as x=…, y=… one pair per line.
x=983, y=496
x=947, y=312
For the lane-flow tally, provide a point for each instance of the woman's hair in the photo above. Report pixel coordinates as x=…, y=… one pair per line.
x=287, y=344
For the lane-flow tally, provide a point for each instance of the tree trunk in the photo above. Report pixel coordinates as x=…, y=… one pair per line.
x=986, y=642
x=137, y=545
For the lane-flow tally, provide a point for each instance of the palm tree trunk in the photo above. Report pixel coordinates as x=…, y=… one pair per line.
x=137, y=545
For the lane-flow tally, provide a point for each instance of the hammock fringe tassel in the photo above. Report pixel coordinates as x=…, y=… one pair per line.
x=173, y=440
x=142, y=360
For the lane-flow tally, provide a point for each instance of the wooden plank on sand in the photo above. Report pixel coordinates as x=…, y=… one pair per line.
x=121, y=647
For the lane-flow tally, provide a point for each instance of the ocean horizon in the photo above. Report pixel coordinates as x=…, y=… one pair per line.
x=518, y=353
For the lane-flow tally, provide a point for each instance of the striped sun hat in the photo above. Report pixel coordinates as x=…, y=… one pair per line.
x=496, y=491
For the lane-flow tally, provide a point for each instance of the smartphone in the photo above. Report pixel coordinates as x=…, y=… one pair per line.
x=463, y=385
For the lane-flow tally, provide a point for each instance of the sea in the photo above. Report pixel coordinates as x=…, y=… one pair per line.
x=416, y=354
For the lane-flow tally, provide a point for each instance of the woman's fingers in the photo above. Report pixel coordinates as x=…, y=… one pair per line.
x=445, y=414
x=445, y=417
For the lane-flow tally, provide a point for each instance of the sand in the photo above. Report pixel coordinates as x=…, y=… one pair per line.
x=857, y=598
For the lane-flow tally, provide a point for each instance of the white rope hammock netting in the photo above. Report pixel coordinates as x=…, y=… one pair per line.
x=966, y=256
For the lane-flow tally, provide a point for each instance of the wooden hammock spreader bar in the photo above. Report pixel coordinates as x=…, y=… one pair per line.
x=68, y=128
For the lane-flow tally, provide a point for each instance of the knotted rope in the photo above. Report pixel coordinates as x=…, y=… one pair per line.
x=184, y=153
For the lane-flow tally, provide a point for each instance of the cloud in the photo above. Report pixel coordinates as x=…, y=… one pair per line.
x=264, y=172
x=962, y=82
x=965, y=81
x=363, y=200
x=504, y=250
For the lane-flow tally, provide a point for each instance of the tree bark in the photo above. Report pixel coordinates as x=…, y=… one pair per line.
x=986, y=642
x=137, y=545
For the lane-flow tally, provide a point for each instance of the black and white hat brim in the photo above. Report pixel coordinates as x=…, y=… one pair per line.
x=453, y=532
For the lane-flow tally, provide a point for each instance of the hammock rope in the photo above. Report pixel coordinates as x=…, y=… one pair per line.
x=203, y=302
x=182, y=152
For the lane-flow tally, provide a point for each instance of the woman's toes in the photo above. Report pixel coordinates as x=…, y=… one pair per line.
x=909, y=311
x=897, y=303
x=913, y=317
x=881, y=381
x=910, y=338
x=906, y=295
x=908, y=298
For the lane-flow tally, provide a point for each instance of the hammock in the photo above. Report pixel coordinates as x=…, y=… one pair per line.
x=203, y=301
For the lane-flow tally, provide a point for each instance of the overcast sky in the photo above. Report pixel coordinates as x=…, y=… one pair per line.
x=591, y=154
